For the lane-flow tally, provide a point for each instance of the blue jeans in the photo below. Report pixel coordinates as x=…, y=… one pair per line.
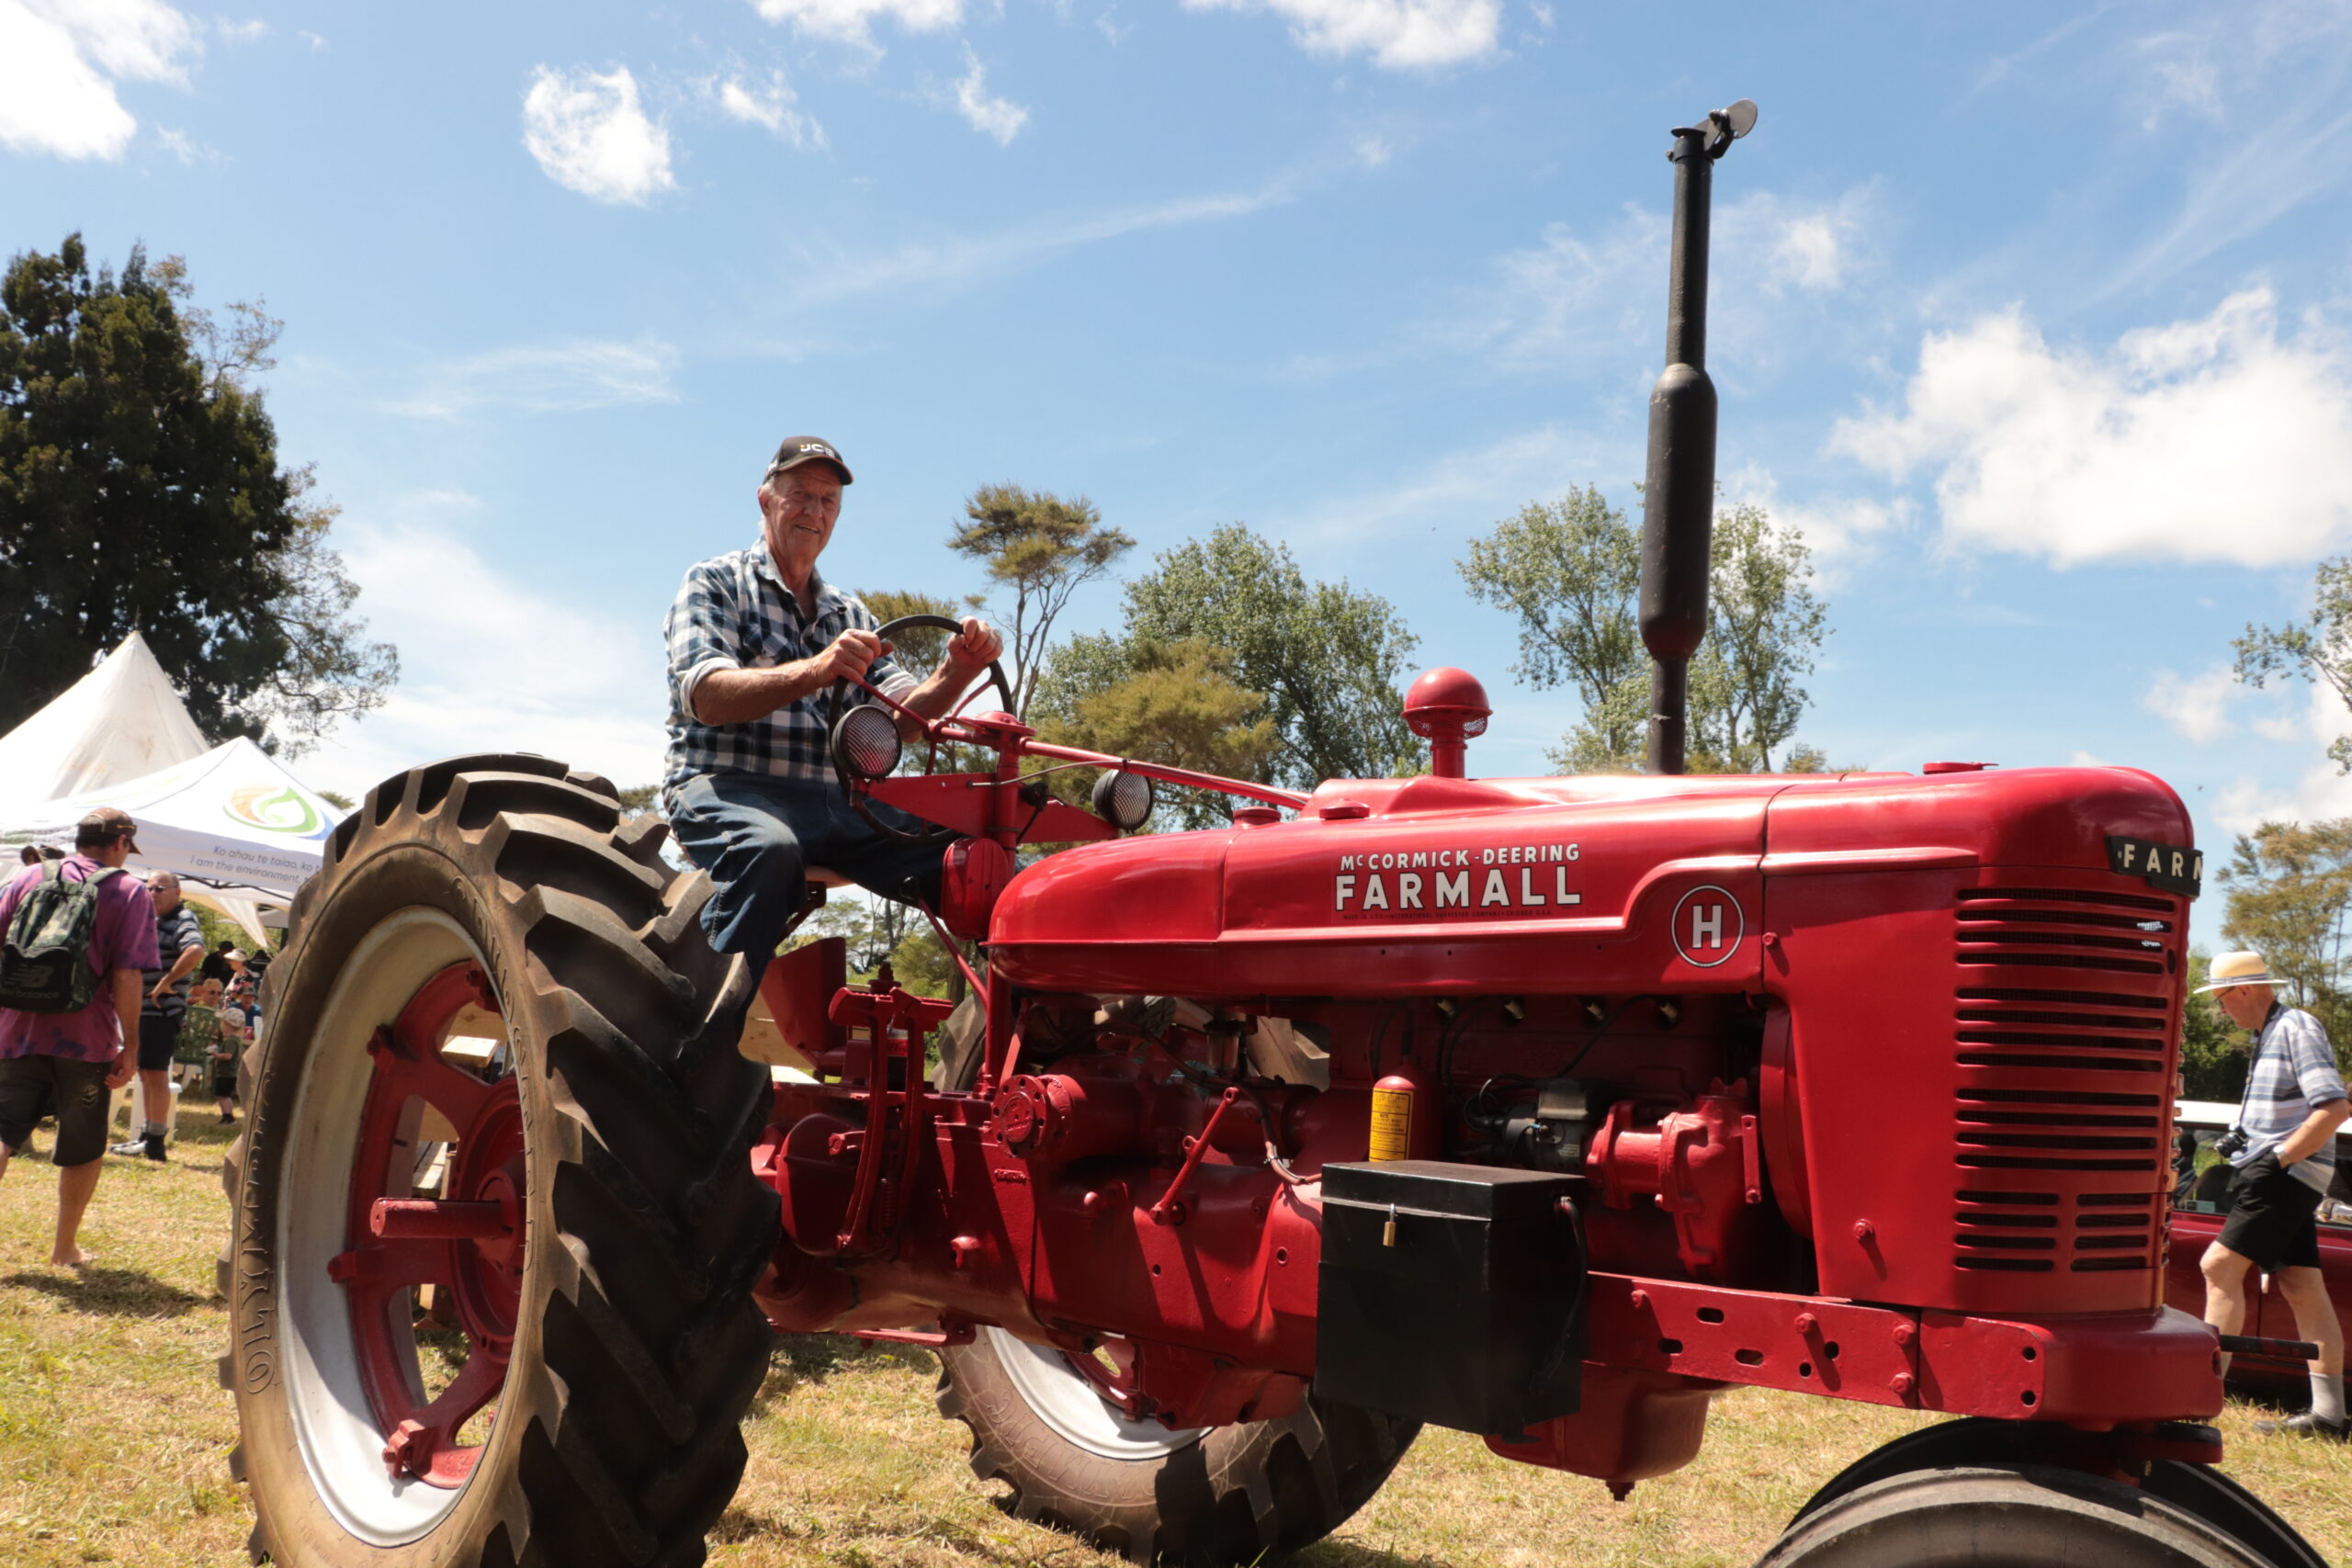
x=757, y=835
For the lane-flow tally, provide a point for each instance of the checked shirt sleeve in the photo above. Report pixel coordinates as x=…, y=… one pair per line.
x=701, y=632
x=886, y=674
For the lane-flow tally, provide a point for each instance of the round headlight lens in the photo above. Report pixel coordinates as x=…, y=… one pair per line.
x=1123, y=799
x=866, y=742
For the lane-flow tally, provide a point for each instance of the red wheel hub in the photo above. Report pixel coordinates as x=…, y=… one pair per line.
x=465, y=1235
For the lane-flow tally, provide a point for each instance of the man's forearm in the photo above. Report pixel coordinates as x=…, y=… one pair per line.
x=190, y=958
x=2313, y=1136
x=733, y=696
x=939, y=689
x=126, y=1006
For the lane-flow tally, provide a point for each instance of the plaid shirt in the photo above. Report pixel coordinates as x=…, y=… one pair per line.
x=733, y=612
x=2294, y=1070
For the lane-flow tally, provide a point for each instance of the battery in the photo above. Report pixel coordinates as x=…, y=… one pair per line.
x=1451, y=1294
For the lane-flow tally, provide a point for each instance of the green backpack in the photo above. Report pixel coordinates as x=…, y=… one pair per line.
x=45, y=961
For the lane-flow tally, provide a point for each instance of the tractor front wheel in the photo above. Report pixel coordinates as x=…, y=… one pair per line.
x=494, y=1222
x=1205, y=1499
x=2004, y=1516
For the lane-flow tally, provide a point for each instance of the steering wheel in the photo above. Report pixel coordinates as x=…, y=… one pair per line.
x=840, y=705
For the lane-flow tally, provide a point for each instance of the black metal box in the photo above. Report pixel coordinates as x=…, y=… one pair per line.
x=1451, y=1293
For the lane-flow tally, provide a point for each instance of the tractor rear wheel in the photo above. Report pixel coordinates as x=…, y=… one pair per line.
x=499, y=1073
x=2004, y=1516
x=1204, y=1498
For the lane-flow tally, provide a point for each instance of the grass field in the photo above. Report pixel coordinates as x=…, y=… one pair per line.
x=114, y=1437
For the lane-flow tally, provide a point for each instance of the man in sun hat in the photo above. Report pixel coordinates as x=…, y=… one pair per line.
x=65, y=1062
x=2284, y=1156
x=757, y=639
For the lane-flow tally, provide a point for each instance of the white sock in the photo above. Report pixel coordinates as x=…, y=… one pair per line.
x=2327, y=1395
x=153, y=1130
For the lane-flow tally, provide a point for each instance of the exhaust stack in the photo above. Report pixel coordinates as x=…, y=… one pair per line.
x=1678, y=499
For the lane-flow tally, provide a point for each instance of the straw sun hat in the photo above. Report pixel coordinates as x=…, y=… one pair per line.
x=2239, y=969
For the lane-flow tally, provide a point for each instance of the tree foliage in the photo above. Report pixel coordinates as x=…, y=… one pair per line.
x=141, y=490
x=2212, y=1051
x=1570, y=572
x=2318, y=648
x=919, y=649
x=1041, y=549
x=2290, y=889
x=1325, y=658
x=1172, y=702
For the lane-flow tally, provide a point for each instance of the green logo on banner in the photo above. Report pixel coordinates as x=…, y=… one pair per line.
x=273, y=809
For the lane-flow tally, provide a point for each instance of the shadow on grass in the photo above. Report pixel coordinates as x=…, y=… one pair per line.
x=797, y=1359
x=115, y=1293
x=1356, y=1554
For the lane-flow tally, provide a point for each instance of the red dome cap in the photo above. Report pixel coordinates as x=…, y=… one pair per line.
x=1446, y=697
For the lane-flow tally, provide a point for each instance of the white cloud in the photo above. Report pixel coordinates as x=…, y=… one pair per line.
x=2197, y=707
x=317, y=43
x=1398, y=34
x=2207, y=440
x=851, y=21
x=964, y=259
x=59, y=61
x=589, y=134
x=565, y=378
x=999, y=117
x=770, y=105
x=488, y=663
x=1373, y=151
x=1579, y=294
x=1453, y=492
x=1836, y=529
x=251, y=30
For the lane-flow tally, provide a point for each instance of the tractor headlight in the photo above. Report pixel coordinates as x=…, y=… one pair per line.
x=1123, y=799
x=866, y=742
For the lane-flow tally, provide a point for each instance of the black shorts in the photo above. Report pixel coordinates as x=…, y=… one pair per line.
x=159, y=1036
x=74, y=1092
x=224, y=1078
x=2274, y=1220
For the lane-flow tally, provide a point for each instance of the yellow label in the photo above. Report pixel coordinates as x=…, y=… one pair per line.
x=1392, y=1123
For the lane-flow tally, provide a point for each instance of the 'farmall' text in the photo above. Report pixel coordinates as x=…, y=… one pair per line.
x=1510, y=876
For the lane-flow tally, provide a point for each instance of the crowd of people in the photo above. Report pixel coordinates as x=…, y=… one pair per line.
x=106, y=979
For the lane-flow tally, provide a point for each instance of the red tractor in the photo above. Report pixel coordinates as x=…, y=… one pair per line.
x=1542, y=1109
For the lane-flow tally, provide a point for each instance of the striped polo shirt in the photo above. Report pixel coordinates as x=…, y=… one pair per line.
x=2293, y=1071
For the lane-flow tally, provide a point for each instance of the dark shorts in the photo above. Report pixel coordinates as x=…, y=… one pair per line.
x=224, y=1079
x=74, y=1092
x=2274, y=1220
x=159, y=1036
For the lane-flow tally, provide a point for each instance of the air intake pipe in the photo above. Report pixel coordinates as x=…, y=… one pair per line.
x=1679, y=500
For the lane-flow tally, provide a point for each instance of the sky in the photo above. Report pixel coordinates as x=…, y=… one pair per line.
x=2035, y=320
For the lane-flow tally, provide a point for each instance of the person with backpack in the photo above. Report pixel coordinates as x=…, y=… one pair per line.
x=179, y=947
x=74, y=936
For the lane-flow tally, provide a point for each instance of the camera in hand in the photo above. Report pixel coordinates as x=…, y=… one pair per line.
x=2230, y=1144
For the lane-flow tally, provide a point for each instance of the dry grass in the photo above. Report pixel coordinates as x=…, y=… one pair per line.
x=114, y=1437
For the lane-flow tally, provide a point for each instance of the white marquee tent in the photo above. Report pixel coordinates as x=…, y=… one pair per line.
x=242, y=831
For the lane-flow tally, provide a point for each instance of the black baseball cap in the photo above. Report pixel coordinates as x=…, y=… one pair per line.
x=104, y=825
x=799, y=449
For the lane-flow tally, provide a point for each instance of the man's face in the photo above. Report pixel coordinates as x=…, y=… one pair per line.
x=800, y=508
x=2246, y=1005
x=166, y=891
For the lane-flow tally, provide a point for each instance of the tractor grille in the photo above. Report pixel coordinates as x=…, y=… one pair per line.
x=2063, y=1014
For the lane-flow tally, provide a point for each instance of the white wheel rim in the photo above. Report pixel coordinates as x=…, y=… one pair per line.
x=1062, y=1397
x=334, y=1427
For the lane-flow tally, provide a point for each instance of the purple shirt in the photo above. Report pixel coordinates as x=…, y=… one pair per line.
x=125, y=939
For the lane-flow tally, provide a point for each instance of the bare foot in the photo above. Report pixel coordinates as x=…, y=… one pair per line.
x=72, y=1257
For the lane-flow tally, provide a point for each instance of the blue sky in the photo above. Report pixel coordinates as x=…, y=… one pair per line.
x=2033, y=318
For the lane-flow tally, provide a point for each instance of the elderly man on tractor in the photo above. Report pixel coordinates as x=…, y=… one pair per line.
x=758, y=640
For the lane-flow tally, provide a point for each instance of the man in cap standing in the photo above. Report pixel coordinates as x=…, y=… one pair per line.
x=179, y=948
x=68, y=1061
x=757, y=638
x=2284, y=1156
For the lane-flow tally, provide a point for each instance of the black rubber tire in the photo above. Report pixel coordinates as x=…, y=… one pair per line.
x=1238, y=1494
x=2004, y=1516
x=637, y=1350
x=1976, y=1441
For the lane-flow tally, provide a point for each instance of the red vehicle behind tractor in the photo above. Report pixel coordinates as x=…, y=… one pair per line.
x=1541, y=1109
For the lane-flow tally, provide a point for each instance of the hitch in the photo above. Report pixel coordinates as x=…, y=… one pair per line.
x=897, y=1108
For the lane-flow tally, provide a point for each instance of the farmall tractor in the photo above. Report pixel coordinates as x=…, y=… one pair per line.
x=1540, y=1109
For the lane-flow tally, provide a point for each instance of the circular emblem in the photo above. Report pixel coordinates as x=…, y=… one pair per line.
x=273, y=808
x=1708, y=924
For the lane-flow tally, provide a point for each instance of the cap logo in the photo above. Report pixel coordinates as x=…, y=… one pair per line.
x=817, y=449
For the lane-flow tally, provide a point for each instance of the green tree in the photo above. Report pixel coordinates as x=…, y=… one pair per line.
x=141, y=490
x=1570, y=573
x=1325, y=658
x=2290, y=887
x=1174, y=702
x=2317, y=648
x=2212, y=1049
x=1041, y=549
x=919, y=649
